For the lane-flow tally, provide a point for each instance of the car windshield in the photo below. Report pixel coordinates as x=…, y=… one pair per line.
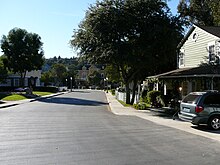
x=191, y=98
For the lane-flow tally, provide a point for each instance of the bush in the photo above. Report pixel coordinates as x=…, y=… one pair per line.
x=155, y=99
x=144, y=96
x=141, y=106
x=152, y=95
x=113, y=91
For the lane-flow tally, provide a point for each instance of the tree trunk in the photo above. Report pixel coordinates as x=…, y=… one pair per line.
x=133, y=92
x=22, y=78
x=128, y=100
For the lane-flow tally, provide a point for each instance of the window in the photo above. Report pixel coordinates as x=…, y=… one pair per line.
x=194, y=37
x=191, y=98
x=218, y=48
x=181, y=58
x=212, y=53
x=84, y=75
x=212, y=100
x=16, y=82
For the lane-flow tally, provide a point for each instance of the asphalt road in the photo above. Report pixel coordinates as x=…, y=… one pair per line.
x=78, y=129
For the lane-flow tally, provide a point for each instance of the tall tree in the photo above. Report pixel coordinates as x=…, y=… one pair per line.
x=203, y=12
x=23, y=52
x=135, y=36
x=59, y=73
x=3, y=70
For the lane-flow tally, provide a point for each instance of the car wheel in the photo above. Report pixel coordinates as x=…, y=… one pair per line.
x=214, y=122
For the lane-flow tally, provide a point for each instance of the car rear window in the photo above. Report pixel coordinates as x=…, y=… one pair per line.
x=191, y=98
x=212, y=99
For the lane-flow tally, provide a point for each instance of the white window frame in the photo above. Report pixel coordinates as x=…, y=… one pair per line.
x=195, y=36
x=182, y=58
x=211, y=51
x=217, y=48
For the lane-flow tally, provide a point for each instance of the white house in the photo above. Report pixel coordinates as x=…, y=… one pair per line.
x=198, y=62
x=32, y=77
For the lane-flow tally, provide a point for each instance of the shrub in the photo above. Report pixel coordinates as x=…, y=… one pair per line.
x=144, y=96
x=141, y=106
x=155, y=99
x=113, y=91
x=152, y=95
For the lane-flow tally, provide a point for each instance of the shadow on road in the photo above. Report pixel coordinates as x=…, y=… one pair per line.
x=72, y=101
x=205, y=129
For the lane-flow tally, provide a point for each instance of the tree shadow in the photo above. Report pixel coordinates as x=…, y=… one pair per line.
x=72, y=101
x=163, y=113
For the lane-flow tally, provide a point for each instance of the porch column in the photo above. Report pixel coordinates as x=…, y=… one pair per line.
x=157, y=86
x=165, y=89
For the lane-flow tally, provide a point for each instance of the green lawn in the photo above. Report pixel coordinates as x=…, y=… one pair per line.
x=42, y=93
x=14, y=97
x=17, y=97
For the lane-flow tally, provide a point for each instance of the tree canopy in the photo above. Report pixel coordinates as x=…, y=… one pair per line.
x=23, y=51
x=138, y=38
x=203, y=12
x=3, y=70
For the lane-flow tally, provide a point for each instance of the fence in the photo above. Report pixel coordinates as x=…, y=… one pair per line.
x=122, y=96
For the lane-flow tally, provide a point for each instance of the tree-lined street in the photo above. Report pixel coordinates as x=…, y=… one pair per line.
x=78, y=128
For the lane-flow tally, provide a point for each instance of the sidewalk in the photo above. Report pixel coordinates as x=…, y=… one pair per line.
x=118, y=109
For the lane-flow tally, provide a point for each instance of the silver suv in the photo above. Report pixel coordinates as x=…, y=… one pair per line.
x=201, y=108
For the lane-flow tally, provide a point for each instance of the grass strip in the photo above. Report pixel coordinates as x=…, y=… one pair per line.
x=14, y=97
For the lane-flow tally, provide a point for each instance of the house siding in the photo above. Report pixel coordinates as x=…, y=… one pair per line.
x=196, y=52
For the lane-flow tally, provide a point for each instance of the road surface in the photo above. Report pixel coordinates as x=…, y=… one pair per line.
x=78, y=129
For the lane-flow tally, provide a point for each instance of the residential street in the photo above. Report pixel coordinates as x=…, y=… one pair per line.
x=78, y=128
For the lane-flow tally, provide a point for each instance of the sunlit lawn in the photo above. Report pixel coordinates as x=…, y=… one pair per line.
x=17, y=97
x=14, y=97
x=42, y=93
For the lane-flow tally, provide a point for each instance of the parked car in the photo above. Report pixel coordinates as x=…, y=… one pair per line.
x=201, y=108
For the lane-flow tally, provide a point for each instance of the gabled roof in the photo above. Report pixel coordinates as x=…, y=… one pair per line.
x=214, y=30
x=202, y=71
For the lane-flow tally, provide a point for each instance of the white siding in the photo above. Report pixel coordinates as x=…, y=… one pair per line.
x=196, y=51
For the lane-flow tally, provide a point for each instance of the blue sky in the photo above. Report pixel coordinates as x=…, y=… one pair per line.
x=53, y=20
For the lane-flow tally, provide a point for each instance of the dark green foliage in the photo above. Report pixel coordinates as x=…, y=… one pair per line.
x=139, y=38
x=113, y=74
x=68, y=62
x=68, y=66
x=152, y=95
x=23, y=52
x=59, y=73
x=113, y=91
x=141, y=106
x=94, y=78
x=203, y=12
x=144, y=96
x=3, y=70
x=155, y=98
